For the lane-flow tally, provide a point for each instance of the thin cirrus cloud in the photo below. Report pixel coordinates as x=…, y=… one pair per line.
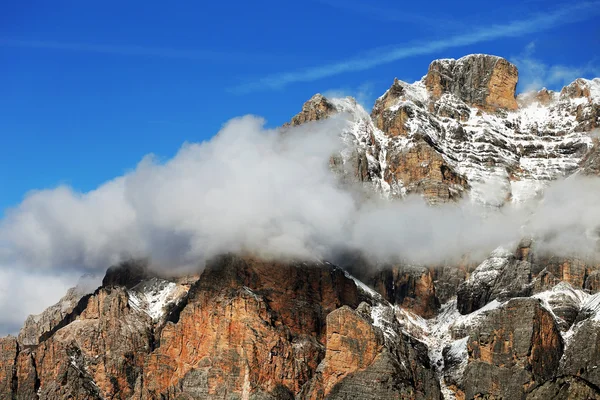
x=138, y=51
x=535, y=74
x=383, y=14
x=376, y=57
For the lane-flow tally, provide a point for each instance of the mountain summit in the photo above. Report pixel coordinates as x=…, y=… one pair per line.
x=522, y=324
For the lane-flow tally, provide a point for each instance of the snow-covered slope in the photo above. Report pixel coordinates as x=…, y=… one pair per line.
x=504, y=154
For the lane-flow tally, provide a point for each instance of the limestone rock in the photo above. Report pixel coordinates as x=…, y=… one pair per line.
x=36, y=326
x=501, y=276
x=582, y=355
x=315, y=109
x=409, y=287
x=423, y=170
x=361, y=364
x=590, y=163
x=565, y=388
x=8, y=357
x=513, y=350
x=481, y=80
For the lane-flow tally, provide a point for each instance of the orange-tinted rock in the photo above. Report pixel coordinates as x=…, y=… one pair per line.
x=249, y=326
x=352, y=345
x=571, y=270
x=485, y=81
x=423, y=170
x=389, y=114
x=8, y=356
x=315, y=109
x=26, y=376
x=101, y=353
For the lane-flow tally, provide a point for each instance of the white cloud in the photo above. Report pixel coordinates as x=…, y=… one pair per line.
x=24, y=292
x=376, y=57
x=262, y=191
x=138, y=51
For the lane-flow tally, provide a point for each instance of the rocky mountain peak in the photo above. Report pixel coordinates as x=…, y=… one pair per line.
x=316, y=108
x=481, y=80
x=582, y=88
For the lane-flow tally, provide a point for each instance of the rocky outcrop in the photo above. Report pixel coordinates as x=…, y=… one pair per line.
x=248, y=327
x=37, y=326
x=481, y=80
x=315, y=109
x=582, y=356
x=409, y=287
x=8, y=358
x=515, y=349
x=362, y=363
x=501, y=276
x=352, y=345
x=577, y=272
x=564, y=388
x=590, y=163
x=423, y=170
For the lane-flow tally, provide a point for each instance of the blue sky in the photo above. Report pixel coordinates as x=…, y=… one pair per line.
x=89, y=88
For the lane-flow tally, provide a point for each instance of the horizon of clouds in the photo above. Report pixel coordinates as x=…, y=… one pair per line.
x=255, y=190
x=379, y=56
x=535, y=74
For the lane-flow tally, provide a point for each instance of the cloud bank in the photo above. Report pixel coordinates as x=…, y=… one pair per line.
x=251, y=189
x=536, y=23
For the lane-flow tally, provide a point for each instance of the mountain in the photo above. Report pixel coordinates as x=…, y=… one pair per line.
x=521, y=324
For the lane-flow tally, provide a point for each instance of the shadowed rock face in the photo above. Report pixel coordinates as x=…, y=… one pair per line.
x=513, y=350
x=590, y=164
x=410, y=287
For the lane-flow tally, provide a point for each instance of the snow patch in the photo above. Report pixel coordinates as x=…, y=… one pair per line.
x=152, y=297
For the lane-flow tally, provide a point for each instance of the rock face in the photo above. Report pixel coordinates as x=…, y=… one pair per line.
x=8, y=356
x=410, y=287
x=37, y=326
x=512, y=351
x=315, y=109
x=590, y=163
x=361, y=363
x=481, y=80
x=501, y=276
x=245, y=328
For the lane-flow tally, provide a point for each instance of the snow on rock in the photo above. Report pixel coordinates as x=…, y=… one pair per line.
x=378, y=298
x=153, y=296
x=591, y=307
x=505, y=155
x=439, y=333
